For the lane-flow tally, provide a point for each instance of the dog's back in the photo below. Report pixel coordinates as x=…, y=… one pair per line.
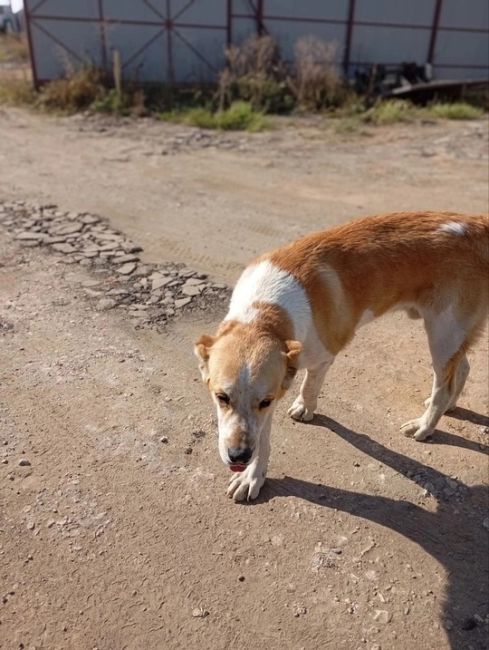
x=412, y=260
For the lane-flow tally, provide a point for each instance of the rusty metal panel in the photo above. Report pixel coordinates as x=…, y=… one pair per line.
x=377, y=45
x=86, y=9
x=472, y=14
x=391, y=31
x=395, y=12
x=59, y=46
x=143, y=50
x=242, y=28
x=198, y=55
x=288, y=33
x=461, y=48
x=289, y=21
x=465, y=54
x=183, y=40
x=304, y=11
x=158, y=40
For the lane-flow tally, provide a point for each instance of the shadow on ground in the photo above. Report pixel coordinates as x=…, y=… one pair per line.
x=457, y=540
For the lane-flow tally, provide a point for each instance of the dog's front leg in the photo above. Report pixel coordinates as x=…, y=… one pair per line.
x=306, y=402
x=247, y=484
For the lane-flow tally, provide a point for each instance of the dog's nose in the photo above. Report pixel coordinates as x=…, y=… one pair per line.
x=238, y=455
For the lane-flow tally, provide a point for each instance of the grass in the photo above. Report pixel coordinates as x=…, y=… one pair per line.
x=394, y=111
x=78, y=91
x=17, y=91
x=240, y=116
x=455, y=111
x=88, y=88
x=13, y=48
x=391, y=111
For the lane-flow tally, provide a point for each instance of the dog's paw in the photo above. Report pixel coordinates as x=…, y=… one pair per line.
x=299, y=411
x=247, y=484
x=415, y=429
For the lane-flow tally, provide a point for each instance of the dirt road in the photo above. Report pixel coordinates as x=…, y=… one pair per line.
x=215, y=201
x=115, y=531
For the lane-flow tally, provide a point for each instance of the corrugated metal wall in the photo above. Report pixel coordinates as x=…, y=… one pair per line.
x=183, y=40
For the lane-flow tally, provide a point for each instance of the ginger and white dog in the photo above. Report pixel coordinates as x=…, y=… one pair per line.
x=298, y=306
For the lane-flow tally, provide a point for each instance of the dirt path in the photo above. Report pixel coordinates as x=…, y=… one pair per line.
x=118, y=534
x=216, y=201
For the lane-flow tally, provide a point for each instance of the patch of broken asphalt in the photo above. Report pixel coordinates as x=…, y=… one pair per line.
x=152, y=294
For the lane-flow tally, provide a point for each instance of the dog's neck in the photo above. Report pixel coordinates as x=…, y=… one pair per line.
x=267, y=320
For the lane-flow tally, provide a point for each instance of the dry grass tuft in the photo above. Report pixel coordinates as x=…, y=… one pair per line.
x=255, y=73
x=77, y=91
x=316, y=83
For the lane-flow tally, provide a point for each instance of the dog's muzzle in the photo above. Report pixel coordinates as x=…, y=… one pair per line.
x=238, y=458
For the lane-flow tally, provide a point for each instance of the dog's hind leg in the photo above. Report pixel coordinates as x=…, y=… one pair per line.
x=460, y=378
x=461, y=375
x=448, y=340
x=306, y=402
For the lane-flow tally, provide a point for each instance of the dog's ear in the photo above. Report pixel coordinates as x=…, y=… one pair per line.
x=201, y=350
x=294, y=348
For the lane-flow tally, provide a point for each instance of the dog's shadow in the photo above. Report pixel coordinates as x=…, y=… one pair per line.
x=455, y=538
x=460, y=413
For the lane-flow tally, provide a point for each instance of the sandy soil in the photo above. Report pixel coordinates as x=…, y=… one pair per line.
x=117, y=533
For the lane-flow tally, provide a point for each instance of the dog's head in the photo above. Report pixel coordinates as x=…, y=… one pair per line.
x=246, y=372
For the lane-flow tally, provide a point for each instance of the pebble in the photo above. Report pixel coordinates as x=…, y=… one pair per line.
x=194, y=281
x=68, y=229
x=143, y=270
x=105, y=304
x=154, y=294
x=127, y=258
x=64, y=248
x=55, y=240
x=181, y=302
x=382, y=616
x=24, y=462
x=26, y=236
x=89, y=219
x=158, y=281
x=31, y=243
x=126, y=269
x=191, y=290
x=200, y=612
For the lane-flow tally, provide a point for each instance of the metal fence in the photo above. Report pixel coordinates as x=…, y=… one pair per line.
x=183, y=41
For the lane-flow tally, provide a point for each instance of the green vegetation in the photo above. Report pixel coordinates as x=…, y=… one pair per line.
x=255, y=82
x=240, y=116
x=455, y=111
x=390, y=112
x=396, y=110
x=17, y=91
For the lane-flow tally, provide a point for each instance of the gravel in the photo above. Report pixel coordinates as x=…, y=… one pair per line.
x=153, y=294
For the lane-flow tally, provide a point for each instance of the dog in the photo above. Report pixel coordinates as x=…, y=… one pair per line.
x=298, y=306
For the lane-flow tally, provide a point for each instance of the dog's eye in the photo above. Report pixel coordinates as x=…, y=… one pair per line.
x=265, y=403
x=223, y=398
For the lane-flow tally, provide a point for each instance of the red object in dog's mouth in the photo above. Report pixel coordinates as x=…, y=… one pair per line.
x=237, y=467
